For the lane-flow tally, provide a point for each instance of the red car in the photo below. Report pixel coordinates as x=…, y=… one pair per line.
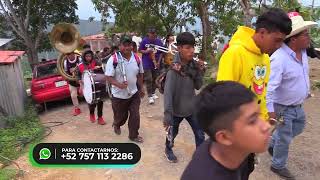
x=47, y=84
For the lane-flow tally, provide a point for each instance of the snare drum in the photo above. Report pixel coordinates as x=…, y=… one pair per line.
x=94, y=87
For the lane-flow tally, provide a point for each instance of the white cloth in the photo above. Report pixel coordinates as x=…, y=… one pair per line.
x=131, y=69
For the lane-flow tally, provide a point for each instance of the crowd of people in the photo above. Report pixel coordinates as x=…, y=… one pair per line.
x=263, y=79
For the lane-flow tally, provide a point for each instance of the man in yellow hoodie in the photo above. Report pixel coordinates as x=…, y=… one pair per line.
x=246, y=60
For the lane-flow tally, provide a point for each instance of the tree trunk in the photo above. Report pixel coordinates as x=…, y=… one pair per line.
x=247, y=11
x=206, y=29
x=32, y=54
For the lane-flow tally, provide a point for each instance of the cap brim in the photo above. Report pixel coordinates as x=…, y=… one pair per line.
x=306, y=25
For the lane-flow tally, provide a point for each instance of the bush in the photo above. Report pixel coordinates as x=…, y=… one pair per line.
x=19, y=132
x=7, y=174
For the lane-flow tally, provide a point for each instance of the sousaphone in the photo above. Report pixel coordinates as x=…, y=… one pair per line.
x=65, y=38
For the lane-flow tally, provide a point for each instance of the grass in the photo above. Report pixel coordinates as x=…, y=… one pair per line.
x=7, y=174
x=27, y=72
x=19, y=132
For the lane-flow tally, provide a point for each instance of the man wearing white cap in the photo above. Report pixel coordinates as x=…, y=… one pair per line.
x=288, y=87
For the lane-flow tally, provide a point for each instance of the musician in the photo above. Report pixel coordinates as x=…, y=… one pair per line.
x=185, y=76
x=169, y=43
x=70, y=67
x=126, y=77
x=89, y=63
x=151, y=62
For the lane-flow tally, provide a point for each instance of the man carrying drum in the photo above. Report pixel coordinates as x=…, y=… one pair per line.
x=90, y=64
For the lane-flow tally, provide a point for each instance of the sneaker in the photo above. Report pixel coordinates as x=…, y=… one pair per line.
x=92, y=118
x=76, y=111
x=170, y=156
x=101, y=121
x=155, y=96
x=151, y=100
x=285, y=173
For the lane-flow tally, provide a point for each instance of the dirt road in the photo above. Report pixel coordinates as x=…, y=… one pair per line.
x=304, y=158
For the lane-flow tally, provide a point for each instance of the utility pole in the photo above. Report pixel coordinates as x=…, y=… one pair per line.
x=312, y=6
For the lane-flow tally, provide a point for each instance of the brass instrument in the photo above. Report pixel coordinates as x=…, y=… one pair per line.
x=65, y=38
x=153, y=54
x=166, y=50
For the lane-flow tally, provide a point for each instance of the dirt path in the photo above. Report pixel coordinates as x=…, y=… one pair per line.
x=304, y=158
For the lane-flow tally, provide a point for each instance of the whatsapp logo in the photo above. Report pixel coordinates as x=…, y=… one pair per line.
x=45, y=153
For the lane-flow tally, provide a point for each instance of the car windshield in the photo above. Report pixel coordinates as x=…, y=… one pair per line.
x=46, y=70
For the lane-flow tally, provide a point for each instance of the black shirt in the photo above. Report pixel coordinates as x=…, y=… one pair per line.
x=204, y=167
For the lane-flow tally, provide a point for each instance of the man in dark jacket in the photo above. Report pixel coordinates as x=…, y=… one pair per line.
x=181, y=81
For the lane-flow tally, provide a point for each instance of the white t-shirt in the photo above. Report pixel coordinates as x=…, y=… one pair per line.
x=132, y=69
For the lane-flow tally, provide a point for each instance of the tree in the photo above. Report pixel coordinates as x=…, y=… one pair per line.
x=137, y=15
x=217, y=17
x=29, y=20
x=308, y=13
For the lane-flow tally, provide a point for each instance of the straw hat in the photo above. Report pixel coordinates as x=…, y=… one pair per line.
x=298, y=24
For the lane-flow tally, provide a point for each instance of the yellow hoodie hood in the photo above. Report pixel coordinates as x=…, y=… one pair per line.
x=243, y=37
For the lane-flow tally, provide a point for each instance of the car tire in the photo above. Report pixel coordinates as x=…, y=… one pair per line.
x=39, y=107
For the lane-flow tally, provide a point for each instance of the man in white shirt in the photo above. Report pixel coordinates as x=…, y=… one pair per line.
x=124, y=71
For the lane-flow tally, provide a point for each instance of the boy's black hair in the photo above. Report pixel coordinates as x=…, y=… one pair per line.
x=217, y=105
x=185, y=38
x=274, y=20
x=84, y=55
x=86, y=46
x=114, y=48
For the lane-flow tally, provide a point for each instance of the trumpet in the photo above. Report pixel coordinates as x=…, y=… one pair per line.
x=172, y=51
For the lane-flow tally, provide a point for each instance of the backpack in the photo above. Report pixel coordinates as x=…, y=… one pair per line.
x=115, y=60
x=161, y=79
x=115, y=64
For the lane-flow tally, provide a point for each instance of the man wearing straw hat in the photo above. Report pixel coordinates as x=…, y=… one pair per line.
x=288, y=87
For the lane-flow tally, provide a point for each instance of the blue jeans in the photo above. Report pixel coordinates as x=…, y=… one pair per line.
x=173, y=131
x=294, y=123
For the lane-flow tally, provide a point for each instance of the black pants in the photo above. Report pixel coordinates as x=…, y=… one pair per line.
x=100, y=108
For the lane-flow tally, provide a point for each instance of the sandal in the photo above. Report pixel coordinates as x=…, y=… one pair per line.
x=137, y=139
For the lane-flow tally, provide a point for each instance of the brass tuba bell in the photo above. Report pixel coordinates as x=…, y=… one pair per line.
x=65, y=38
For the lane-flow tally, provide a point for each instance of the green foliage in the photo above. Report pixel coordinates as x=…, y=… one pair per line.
x=20, y=131
x=42, y=15
x=8, y=174
x=26, y=70
x=137, y=16
x=306, y=12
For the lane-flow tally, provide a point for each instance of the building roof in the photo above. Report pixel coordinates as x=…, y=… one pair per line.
x=7, y=57
x=95, y=37
x=4, y=41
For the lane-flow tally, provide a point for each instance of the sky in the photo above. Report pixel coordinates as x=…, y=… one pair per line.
x=86, y=9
